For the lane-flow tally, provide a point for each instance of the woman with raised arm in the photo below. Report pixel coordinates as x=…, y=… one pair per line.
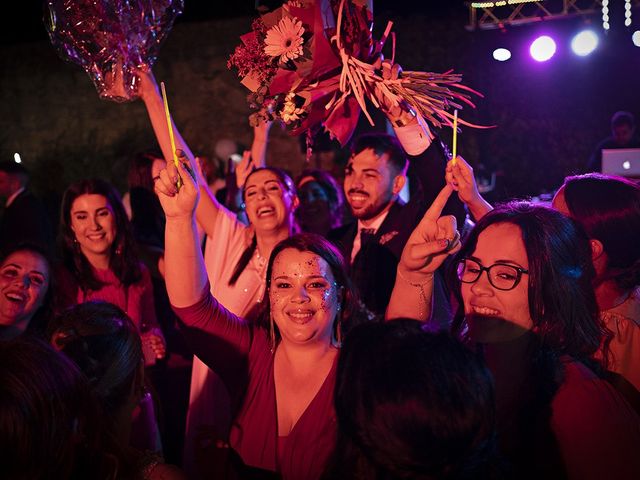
x=523, y=279
x=236, y=259
x=608, y=208
x=280, y=371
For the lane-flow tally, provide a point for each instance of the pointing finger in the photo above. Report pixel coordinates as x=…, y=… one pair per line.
x=434, y=211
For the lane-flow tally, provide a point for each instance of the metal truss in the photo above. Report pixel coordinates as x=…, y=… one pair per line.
x=501, y=13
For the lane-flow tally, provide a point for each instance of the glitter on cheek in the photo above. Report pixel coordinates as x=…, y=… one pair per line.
x=328, y=300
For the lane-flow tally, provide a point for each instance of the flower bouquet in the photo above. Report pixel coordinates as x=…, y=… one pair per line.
x=313, y=63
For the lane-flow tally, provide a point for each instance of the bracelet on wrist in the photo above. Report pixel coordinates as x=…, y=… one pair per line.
x=425, y=300
x=428, y=280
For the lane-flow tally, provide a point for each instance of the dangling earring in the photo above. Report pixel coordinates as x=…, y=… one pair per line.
x=119, y=250
x=272, y=334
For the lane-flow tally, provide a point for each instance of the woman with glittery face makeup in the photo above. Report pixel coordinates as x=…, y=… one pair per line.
x=280, y=369
x=235, y=255
x=304, y=296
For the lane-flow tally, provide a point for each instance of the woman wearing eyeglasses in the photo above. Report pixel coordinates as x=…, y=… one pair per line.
x=523, y=281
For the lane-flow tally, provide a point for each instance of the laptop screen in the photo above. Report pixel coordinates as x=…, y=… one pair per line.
x=623, y=162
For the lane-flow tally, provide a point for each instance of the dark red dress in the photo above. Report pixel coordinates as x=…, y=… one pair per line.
x=239, y=353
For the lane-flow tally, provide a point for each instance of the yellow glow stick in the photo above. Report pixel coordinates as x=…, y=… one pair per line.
x=170, y=126
x=455, y=136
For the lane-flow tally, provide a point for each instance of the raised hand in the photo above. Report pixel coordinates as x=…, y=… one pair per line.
x=459, y=174
x=244, y=168
x=431, y=241
x=177, y=202
x=389, y=71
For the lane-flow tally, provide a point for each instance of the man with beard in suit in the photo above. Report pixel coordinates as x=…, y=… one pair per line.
x=374, y=177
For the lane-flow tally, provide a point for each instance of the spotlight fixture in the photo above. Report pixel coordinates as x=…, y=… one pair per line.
x=501, y=54
x=543, y=48
x=636, y=38
x=584, y=43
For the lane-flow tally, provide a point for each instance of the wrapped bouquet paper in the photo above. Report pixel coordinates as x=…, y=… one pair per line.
x=312, y=63
x=111, y=39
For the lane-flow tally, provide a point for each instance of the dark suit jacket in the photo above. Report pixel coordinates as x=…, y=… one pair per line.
x=374, y=269
x=26, y=220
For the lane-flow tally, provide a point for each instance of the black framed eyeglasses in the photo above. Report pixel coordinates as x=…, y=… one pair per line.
x=502, y=276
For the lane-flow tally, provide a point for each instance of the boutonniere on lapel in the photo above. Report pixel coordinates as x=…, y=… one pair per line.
x=387, y=237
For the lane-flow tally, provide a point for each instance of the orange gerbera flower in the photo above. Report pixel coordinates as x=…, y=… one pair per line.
x=284, y=40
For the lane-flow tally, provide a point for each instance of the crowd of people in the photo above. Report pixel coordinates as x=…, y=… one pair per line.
x=337, y=331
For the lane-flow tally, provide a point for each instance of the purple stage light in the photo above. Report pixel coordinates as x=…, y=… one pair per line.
x=543, y=48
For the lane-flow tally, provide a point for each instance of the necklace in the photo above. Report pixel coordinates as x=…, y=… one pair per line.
x=260, y=260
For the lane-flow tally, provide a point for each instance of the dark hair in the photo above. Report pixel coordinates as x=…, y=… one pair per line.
x=331, y=188
x=140, y=167
x=310, y=242
x=15, y=171
x=105, y=344
x=48, y=424
x=562, y=302
x=147, y=216
x=622, y=118
x=411, y=404
x=245, y=258
x=382, y=143
x=123, y=259
x=608, y=208
x=40, y=317
x=13, y=168
x=212, y=168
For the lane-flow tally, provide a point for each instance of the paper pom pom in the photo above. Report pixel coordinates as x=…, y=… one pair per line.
x=111, y=39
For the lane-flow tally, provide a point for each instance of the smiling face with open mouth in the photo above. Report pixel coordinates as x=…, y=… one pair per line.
x=269, y=204
x=304, y=297
x=498, y=315
x=24, y=280
x=370, y=184
x=94, y=225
